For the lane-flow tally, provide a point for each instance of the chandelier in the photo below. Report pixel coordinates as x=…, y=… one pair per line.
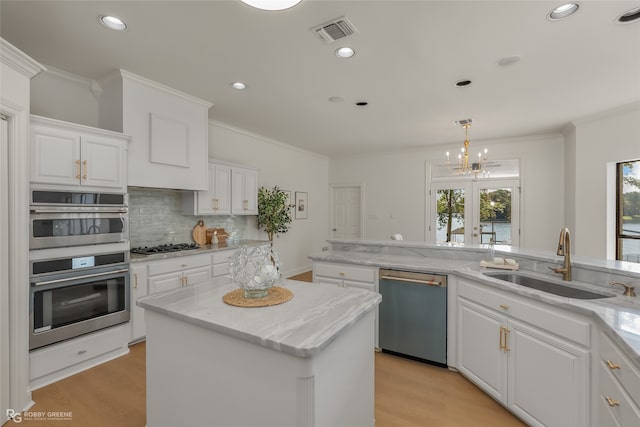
x=464, y=165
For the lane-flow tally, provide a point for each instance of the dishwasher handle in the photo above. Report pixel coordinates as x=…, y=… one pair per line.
x=405, y=279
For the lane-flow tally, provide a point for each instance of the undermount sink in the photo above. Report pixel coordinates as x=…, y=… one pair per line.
x=550, y=287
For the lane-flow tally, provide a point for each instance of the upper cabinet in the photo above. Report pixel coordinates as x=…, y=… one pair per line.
x=66, y=154
x=169, y=128
x=233, y=189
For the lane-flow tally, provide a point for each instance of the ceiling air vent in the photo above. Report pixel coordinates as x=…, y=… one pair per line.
x=462, y=122
x=335, y=30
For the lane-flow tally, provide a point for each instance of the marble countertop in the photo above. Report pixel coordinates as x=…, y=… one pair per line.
x=203, y=249
x=619, y=316
x=303, y=326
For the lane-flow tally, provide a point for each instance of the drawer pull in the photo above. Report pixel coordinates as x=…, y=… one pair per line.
x=183, y=265
x=82, y=352
x=341, y=273
x=612, y=402
x=504, y=306
x=612, y=365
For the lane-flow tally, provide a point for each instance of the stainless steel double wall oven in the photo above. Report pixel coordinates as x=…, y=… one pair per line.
x=79, y=264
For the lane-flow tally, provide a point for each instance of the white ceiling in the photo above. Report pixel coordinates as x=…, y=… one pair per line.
x=408, y=56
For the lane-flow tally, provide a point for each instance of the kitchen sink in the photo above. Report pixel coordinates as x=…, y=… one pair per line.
x=550, y=287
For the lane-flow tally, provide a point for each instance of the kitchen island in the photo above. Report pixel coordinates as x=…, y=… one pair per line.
x=307, y=362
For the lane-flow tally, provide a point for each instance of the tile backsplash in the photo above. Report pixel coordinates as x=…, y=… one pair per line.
x=155, y=217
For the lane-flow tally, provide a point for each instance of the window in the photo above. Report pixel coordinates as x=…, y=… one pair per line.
x=628, y=211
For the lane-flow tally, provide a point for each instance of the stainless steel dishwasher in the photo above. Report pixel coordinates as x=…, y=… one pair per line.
x=413, y=315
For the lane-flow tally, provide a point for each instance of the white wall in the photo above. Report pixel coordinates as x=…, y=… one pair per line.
x=602, y=140
x=290, y=169
x=396, y=182
x=65, y=96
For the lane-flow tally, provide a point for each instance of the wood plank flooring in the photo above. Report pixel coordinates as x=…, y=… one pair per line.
x=408, y=394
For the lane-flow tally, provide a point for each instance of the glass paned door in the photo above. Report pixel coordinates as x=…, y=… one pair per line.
x=497, y=212
x=628, y=233
x=448, y=224
x=475, y=212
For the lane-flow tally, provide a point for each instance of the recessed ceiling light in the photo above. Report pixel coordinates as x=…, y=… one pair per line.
x=361, y=104
x=462, y=83
x=629, y=16
x=238, y=85
x=345, y=52
x=563, y=11
x=112, y=22
x=271, y=4
x=336, y=99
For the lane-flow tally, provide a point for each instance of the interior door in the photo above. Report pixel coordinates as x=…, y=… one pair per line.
x=346, y=222
x=4, y=272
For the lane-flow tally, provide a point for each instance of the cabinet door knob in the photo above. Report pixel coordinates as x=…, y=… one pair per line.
x=504, y=306
x=341, y=273
x=612, y=365
x=82, y=352
x=612, y=402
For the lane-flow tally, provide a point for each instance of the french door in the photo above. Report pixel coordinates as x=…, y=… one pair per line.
x=475, y=212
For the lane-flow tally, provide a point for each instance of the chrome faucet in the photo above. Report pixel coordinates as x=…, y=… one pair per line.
x=564, y=249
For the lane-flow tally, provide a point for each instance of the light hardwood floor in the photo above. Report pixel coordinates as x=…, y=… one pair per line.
x=408, y=394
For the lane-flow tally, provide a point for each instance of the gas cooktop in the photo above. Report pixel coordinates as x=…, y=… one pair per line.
x=162, y=249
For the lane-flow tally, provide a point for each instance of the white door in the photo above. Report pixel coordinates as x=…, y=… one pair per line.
x=476, y=212
x=346, y=218
x=4, y=272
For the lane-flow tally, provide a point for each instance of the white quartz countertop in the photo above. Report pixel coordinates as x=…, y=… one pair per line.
x=618, y=316
x=202, y=250
x=303, y=326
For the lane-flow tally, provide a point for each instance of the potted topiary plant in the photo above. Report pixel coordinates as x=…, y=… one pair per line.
x=274, y=212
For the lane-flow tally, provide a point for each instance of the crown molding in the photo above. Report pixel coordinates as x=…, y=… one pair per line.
x=139, y=79
x=94, y=86
x=266, y=139
x=18, y=60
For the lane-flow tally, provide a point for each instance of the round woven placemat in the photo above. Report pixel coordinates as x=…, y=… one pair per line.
x=276, y=295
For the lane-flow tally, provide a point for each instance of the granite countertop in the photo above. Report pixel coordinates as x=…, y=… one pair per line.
x=619, y=316
x=203, y=250
x=303, y=326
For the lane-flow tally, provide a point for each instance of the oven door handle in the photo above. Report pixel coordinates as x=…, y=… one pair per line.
x=74, y=209
x=88, y=276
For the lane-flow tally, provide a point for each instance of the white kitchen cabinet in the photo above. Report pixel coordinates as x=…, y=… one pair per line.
x=232, y=189
x=220, y=262
x=244, y=191
x=169, y=129
x=65, y=154
x=139, y=289
x=540, y=374
x=619, y=388
x=348, y=276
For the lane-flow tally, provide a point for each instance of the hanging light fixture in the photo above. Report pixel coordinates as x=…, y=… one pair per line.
x=271, y=4
x=465, y=165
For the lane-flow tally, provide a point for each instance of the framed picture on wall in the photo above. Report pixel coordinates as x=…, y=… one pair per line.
x=302, y=205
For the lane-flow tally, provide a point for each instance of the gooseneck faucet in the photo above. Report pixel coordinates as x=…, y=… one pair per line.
x=564, y=249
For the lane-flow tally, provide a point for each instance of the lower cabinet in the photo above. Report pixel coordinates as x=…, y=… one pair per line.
x=139, y=289
x=541, y=375
x=618, y=397
x=348, y=276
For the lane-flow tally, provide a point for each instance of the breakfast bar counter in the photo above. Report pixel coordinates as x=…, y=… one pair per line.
x=292, y=364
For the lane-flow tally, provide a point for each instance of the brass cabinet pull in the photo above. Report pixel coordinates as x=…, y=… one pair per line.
x=77, y=169
x=135, y=280
x=183, y=265
x=612, y=365
x=84, y=172
x=503, y=338
x=504, y=306
x=215, y=204
x=341, y=273
x=245, y=205
x=612, y=402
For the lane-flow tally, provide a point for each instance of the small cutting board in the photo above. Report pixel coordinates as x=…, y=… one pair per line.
x=199, y=233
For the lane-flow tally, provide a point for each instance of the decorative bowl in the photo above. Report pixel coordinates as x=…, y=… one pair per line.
x=255, y=269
